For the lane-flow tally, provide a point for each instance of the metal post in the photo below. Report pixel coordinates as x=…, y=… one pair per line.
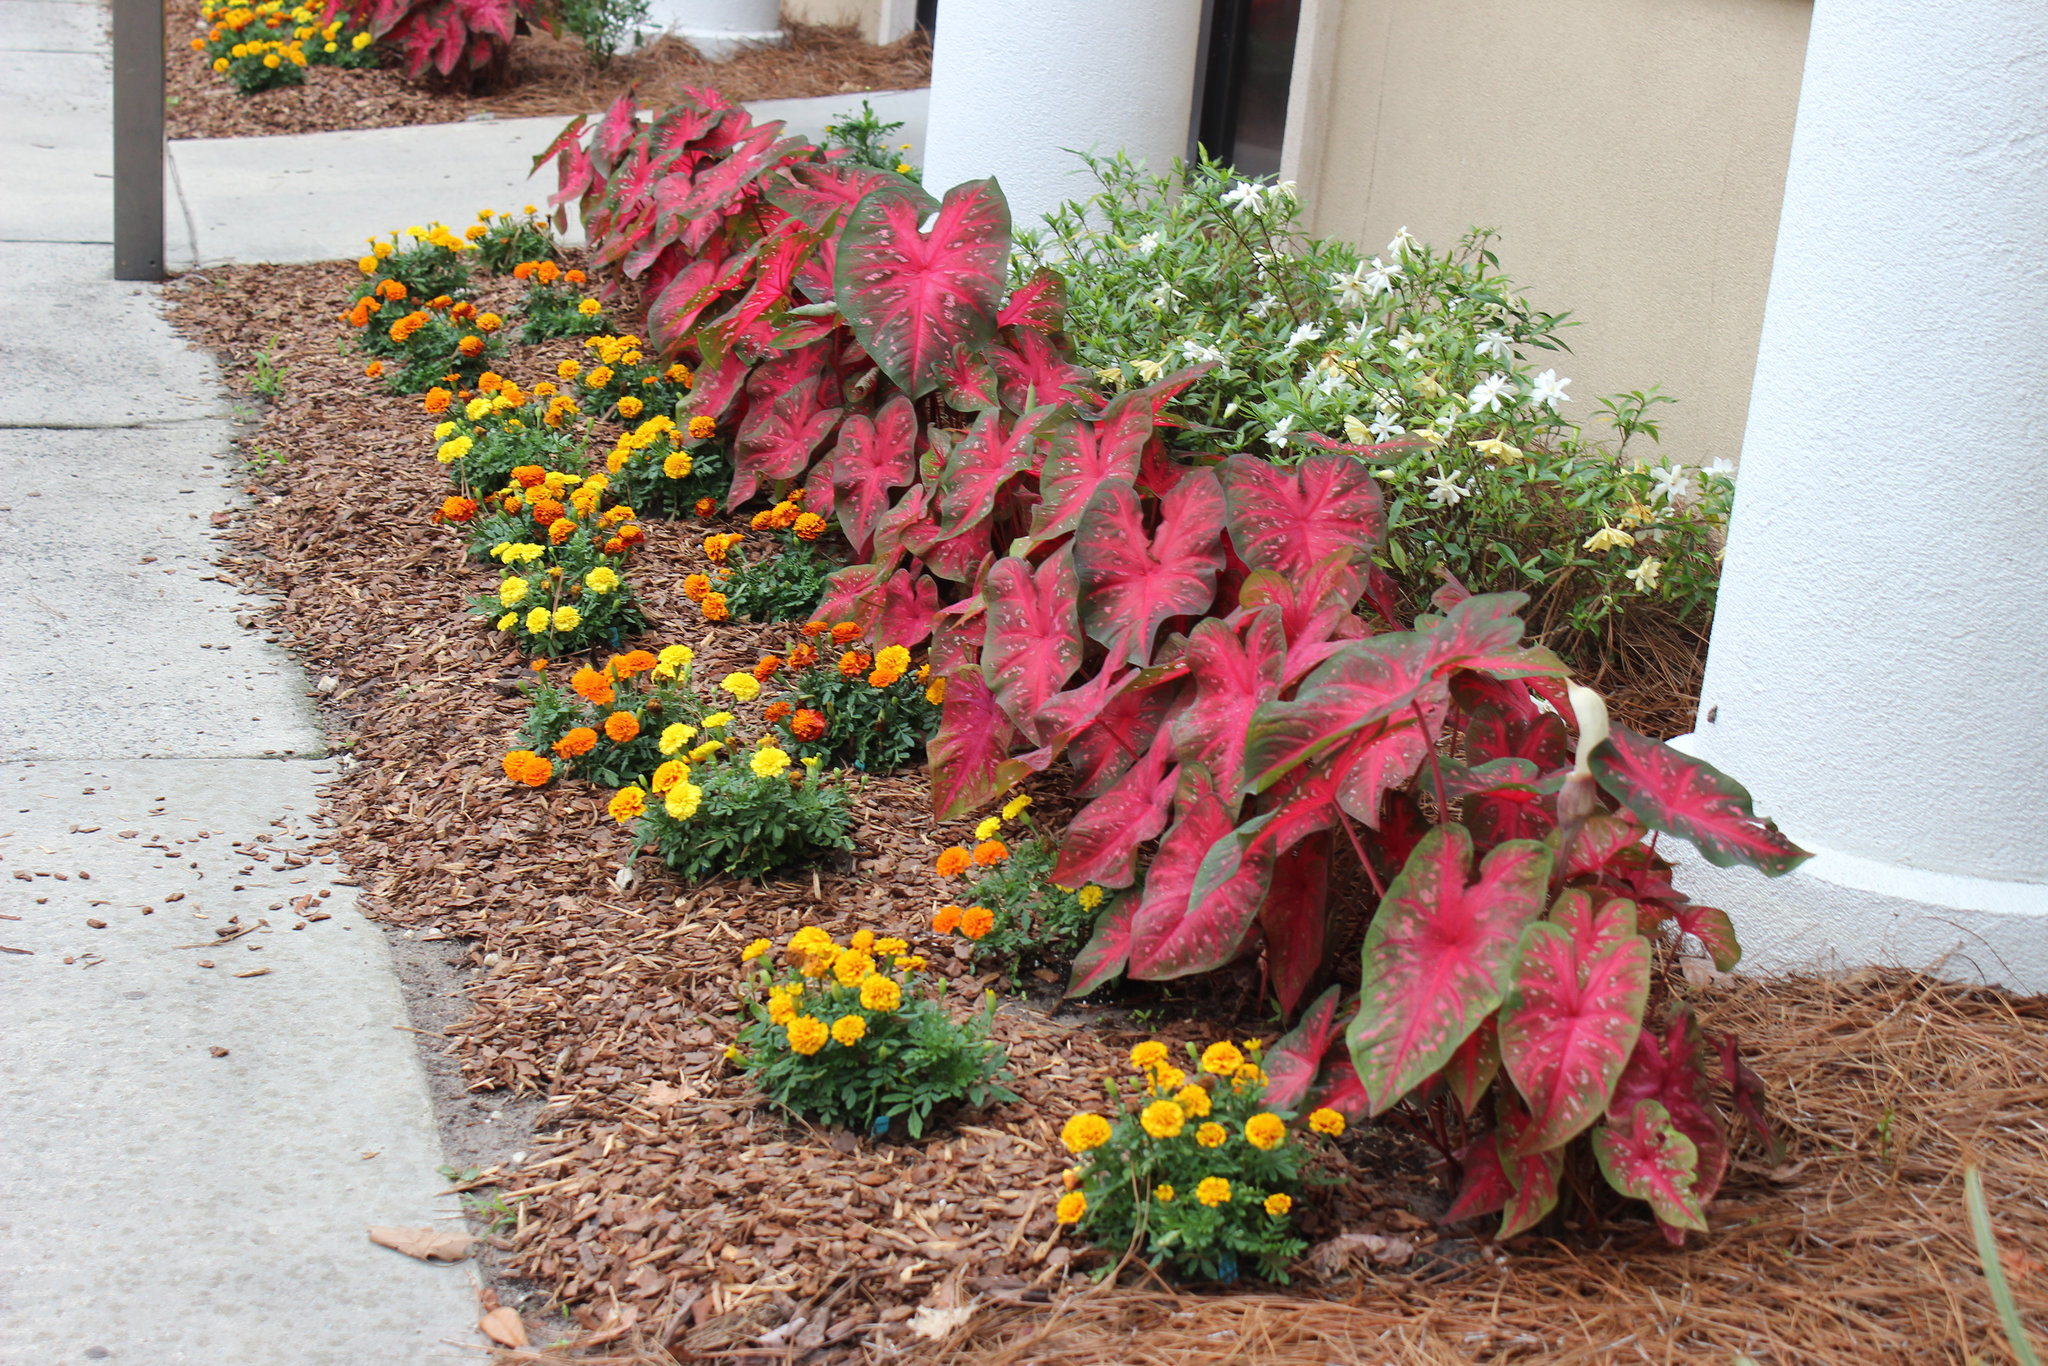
x=138, y=139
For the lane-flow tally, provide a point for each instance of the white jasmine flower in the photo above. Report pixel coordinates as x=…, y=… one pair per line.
x=1380, y=279
x=1230, y=408
x=1307, y=332
x=1609, y=538
x=1349, y=289
x=1722, y=468
x=1548, y=391
x=1332, y=383
x=1493, y=342
x=1407, y=343
x=1243, y=197
x=1358, y=333
x=1402, y=241
x=1200, y=353
x=1146, y=245
x=1165, y=296
x=1445, y=490
x=1644, y=575
x=1263, y=306
x=1385, y=428
x=1280, y=193
x=1673, y=483
x=1487, y=394
x=1277, y=435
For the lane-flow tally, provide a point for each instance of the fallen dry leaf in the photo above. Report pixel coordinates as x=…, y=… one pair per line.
x=429, y=1245
x=218, y=1051
x=503, y=1327
x=1336, y=1255
x=254, y=972
x=939, y=1324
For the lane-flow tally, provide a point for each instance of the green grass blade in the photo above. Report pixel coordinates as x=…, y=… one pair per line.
x=1994, y=1272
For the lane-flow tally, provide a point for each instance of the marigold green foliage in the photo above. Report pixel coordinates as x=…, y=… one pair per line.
x=748, y=825
x=1034, y=920
x=876, y=728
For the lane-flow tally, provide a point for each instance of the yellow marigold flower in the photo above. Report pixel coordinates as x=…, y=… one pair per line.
x=1166, y=1077
x=682, y=800
x=884, y=947
x=1194, y=1100
x=1016, y=806
x=705, y=751
x=807, y=1034
x=1212, y=1135
x=702, y=428
x=505, y=622
x=1265, y=1131
x=1213, y=1191
x=678, y=465
x=987, y=829
x=881, y=993
x=745, y=687
x=755, y=950
x=1278, y=1205
x=1327, y=1122
x=781, y=1009
x=629, y=407
x=568, y=369
x=852, y=967
x=1072, y=1206
x=512, y=592
x=1148, y=1054
x=1222, y=1058
x=718, y=720
x=1090, y=897
x=1084, y=1133
x=590, y=308
x=893, y=659
x=367, y=265
x=676, y=656
x=627, y=804
x=453, y=450
x=911, y=963
x=675, y=736
x=850, y=1030
x=1163, y=1119
x=537, y=621
x=601, y=580
x=768, y=762
x=567, y=618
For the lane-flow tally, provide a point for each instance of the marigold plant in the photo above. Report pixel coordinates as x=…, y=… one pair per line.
x=662, y=469
x=874, y=717
x=728, y=806
x=784, y=583
x=1026, y=919
x=857, y=1034
x=565, y=589
x=1191, y=1167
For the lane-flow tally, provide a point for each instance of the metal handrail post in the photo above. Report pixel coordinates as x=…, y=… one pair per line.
x=138, y=139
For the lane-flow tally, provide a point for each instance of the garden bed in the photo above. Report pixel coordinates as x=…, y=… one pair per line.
x=658, y=1188
x=549, y=76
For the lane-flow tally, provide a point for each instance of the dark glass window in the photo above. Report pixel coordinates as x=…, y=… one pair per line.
x=1243, y=93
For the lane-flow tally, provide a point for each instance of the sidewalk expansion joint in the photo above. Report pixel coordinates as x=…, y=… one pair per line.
x=147, y=424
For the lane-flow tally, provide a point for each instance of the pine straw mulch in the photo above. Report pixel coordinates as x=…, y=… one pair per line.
x=548, y=75
x=680, y=1220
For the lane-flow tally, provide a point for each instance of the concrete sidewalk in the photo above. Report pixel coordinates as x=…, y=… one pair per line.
x=189, y=1154
x=318, y=196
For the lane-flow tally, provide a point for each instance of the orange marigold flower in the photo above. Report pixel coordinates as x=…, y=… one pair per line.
x=762, y=521
x=634, y=662
x=576, y=743
x=456, y=509
x=489, y=382
x=393, y=290
x=713, y=607
x=810, y=526
x=631, y=535
x=807, y=724
x=514, y=503
x=853, y=664
x=593, y=687
x=816, y=628
x=765, y=670
x=524, y=766
x=546, y=510
x=573, y=277
x=783, y=515
x=947, y=919
x=548, y=272
x=375, y=369
x=402, y=330
x=471, y=346
x=990, y=852
x=560, y=530
x=845, y=631
x=702, y=428
x=775, y=711
x=527, y=476
x=954, y=861
x=462, y=312
x=695, y=586
x=524, y=270
x=621, y=726
x=802, y=656
x=439, y=301
x=488, y=322
x=614, y=546
x=706, y=507
x=977, y=921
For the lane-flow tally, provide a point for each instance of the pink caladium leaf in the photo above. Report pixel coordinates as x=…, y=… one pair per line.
x=1315, y=610
x=1573, y=1014
x=1535, y=736
x=1233, y=678
x=974, y=736
x=908, y=605
x=575, y=170
x=1291, y=520
x=1040, y=303
x=1293, y=920
x=1340, y=1090
x=785, y=421
x=1677, y=1072
x=1485, y=1188
x=1749, y=1092
x=1132, y=582
x=1034, y=638
x=1064, y=716
x=1101, y=843
x=718, y=387
x=1368, y=683
x=1438, y=957
x=1715, y=931
x=871, y=460
x=1645, y=1157
x=1032, y=372
x=814, y=191
x=1689, y=797
x=1534, y=1175
x=692, y=290
x=855, y=593
x=1382, y=758
x=1124, y=730
x=715, y=190
x=1483, y=633
x=956, y=557
x=1081, y=457
x=914, y=298
x=1474, y=1065
x=1103, y=957
x=1293, y=1063
x=1604, y=840
x=957, y=642
x=992, y=454
x=968, y=383
x=1171, y=877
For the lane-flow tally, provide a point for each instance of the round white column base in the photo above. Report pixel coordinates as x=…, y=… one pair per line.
x=1839, y=911
x=723, y=45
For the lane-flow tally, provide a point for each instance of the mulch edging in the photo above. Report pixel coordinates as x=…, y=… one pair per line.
x=708, y=1220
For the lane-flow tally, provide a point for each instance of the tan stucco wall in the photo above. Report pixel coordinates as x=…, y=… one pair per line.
x=1632, y=153
x=857, y=13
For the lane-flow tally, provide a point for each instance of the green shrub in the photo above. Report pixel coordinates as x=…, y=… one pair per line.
x=603, y=26
x=846, y=1035
x=1199, y=1175
x=864, y=138
x=725, y=809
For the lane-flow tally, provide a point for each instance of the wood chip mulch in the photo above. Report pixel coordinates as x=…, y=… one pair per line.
x=679, y=1219
x=548, y=76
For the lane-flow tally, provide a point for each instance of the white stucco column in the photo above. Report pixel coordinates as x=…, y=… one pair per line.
x=719, y=29
x=1015, y=84
x=1878, y=676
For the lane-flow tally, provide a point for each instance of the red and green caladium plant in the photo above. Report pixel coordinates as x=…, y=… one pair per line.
x=463, y=39
x=1186, y=636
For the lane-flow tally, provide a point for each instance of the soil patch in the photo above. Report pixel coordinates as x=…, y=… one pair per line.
x=548, y=76
x=688, y=1221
